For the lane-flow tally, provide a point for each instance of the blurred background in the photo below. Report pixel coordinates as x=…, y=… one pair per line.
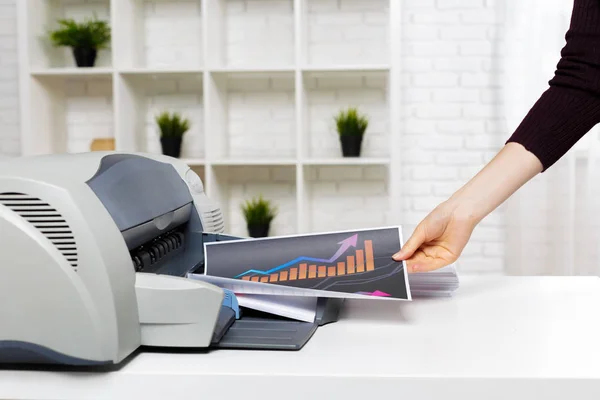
x=311, y=115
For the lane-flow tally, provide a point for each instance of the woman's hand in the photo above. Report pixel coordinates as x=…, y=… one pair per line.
x=438, y=240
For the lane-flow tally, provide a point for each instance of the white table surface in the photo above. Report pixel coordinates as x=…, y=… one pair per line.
x=497, y=338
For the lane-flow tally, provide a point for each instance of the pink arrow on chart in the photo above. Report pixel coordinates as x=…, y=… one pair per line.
x=345, y=245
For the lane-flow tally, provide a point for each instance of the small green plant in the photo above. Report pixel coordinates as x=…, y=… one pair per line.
x=88, y=34
x=351, y=123
x=172, y=124
x=258, y=211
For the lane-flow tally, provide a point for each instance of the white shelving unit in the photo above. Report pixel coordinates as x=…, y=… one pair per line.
x=260, y=81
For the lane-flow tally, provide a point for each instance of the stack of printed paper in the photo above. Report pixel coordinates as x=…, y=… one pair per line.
x=441, y=282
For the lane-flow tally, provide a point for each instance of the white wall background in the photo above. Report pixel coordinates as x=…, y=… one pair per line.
x=451, y=114
x=9, y=85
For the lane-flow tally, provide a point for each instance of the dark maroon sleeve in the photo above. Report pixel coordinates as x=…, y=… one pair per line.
x=571, y=106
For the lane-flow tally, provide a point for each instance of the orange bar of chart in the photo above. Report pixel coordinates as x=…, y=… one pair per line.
x=255, y=279
x=312, y=272
x=274, y=278
x=360, y=261
x=264, y=279
x=283, y=276
x=369, y=255
x=246, y=278
x=293, y=274
x=341, y=268
x=322, y=271
x=302, y=271
x=350, y=261
x=331, y=271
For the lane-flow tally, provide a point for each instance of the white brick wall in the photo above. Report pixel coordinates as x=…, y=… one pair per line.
x=452, y=124
x=327, y=95
x=364, y=191
x=347, y=31
x=169, y=44
x=182, y=95
x=9, y=86
x=88, y=113
x=259, y=32
x=261, y=117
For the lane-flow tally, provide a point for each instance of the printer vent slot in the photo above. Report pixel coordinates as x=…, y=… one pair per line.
x=214, y=221
x=46, y=219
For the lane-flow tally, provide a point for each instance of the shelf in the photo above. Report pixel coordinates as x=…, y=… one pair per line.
x=160, y=71
x=251, y=162
x=347, y=68
x=260, y=81
x=263, y=70
x=347, y=161
x=73, y=72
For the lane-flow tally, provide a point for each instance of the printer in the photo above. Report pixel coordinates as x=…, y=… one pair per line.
x=95, y=253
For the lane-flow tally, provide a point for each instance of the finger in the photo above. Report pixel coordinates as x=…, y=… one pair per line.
x=413, y=243
x=426, y=265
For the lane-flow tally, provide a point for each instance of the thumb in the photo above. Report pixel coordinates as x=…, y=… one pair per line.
x=413, y=243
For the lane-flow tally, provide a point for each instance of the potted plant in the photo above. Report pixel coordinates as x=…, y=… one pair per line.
x=351, y=127
x=259, y=213
x=172, y=127
x=85, y=38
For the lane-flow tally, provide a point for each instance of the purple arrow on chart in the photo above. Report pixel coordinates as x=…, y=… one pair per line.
x=345, y=245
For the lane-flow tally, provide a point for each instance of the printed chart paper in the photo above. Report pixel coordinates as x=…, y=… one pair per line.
x=353, y=264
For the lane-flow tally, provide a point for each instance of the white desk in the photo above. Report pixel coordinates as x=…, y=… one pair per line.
x=498, y=338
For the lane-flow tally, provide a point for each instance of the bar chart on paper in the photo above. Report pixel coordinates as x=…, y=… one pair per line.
x=350, y=262
x=361, y=261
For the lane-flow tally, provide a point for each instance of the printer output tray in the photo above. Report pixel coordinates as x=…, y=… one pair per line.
x=266, y=333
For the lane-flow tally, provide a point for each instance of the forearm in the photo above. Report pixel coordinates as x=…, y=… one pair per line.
x=510, y=169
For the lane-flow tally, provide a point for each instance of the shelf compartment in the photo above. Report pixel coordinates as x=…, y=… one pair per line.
x=145, y=96
x=233, y=185
x=249, y=33
x=70, y=112
x=159, y=34
x=326, y=93
x=43, y=16
x=346, y=32
x=251, y=116
x=345, y=197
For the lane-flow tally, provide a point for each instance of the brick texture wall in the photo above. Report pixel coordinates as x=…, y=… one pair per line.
x=168, y=44
x=9, y=85
x=452, y=123
x=89, y=113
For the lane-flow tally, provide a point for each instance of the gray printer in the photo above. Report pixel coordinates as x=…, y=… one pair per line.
x=95, y=252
